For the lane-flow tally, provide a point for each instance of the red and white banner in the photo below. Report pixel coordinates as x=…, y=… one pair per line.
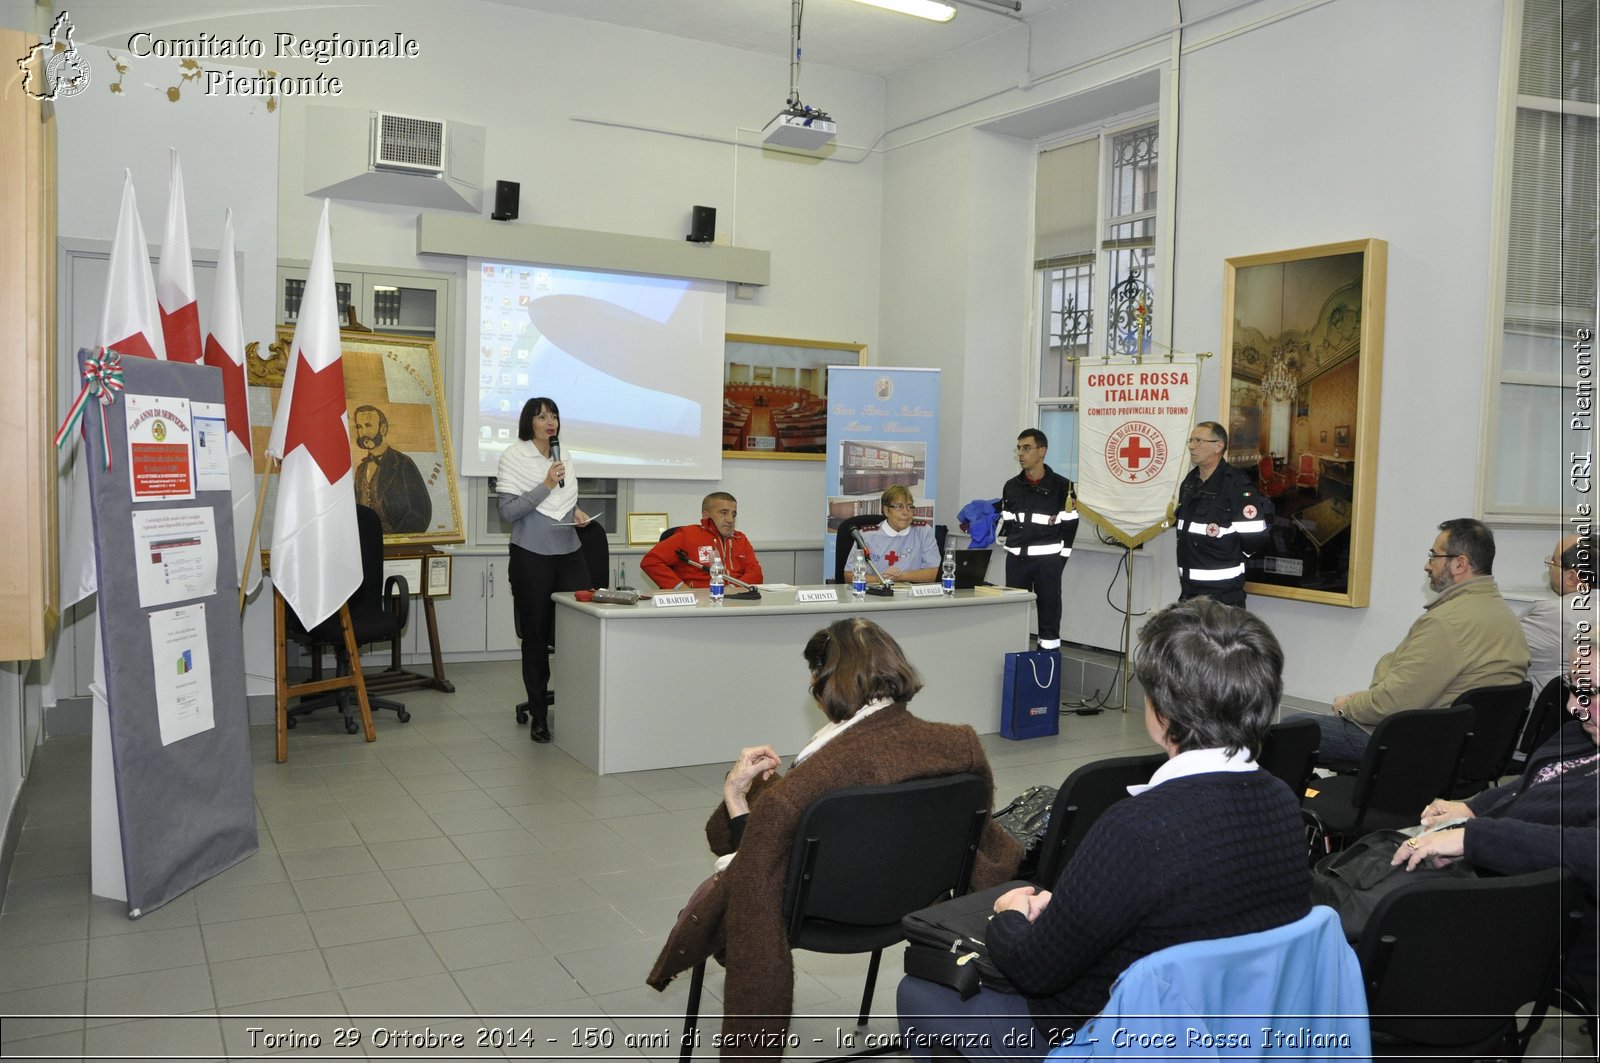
x=224, y=349
x=180, y=313
x=1133, y=427
x=316, y=549
x=130, y=323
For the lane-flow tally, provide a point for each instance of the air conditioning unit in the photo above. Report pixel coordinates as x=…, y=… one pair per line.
x=408, y=144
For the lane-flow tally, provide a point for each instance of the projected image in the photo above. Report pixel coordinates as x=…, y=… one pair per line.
x=634, y=361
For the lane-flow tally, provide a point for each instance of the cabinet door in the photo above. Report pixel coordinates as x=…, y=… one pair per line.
x=461, y=615
x=498, y=615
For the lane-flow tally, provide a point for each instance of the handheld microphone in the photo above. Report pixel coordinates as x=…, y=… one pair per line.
x=683, y=555
x=555, y=455
x=885, y=587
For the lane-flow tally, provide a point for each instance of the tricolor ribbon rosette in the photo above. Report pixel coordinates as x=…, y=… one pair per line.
x=102, y=380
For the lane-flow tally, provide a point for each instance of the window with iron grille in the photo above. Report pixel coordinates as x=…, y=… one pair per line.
x=1094, y=248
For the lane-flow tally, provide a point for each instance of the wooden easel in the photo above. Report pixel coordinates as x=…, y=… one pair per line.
x=286, y=690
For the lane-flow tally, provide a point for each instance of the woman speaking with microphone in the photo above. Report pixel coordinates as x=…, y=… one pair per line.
x=539, y=499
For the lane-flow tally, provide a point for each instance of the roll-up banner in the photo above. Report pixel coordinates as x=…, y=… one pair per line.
x=883, y=429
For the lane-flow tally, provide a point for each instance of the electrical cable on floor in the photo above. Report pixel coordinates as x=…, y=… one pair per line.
x=1097, y=703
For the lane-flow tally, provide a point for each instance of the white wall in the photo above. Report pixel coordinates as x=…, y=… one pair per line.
x=1299, y=124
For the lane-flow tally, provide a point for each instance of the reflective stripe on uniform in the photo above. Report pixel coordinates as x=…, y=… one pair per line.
x=1196, y=528
x=1049, y=644
x=1213, y=575
x=1065, y=515
x=1247, y=527
x=1041, y=550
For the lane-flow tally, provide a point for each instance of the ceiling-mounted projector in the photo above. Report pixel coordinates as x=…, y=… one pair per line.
x=801, y=128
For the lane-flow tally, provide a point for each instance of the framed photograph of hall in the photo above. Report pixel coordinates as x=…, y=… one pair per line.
x=775, y=395
x=1302, y=367
x=399, y=432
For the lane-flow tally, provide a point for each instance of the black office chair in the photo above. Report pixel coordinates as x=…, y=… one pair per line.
x=1498, y=716
x=1082, y=799
x=1449, y=962
x=675, y=529
x=843, y=541
x=1412, y=758
x=862, y=859
x=1544, y=720
x=1290, y=752
x=379, y=610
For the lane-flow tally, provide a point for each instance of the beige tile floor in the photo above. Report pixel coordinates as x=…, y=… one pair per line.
x=452, y=872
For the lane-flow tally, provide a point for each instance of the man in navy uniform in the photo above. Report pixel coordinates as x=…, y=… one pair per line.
x=1221, y=518
x=1039, y=519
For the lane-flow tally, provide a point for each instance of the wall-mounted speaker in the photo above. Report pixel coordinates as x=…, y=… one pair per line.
x=507, y=195
x=703, y=226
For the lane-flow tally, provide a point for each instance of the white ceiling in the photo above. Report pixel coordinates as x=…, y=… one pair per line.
x=837, y=33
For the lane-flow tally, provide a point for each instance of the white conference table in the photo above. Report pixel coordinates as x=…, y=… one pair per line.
x=641, y=686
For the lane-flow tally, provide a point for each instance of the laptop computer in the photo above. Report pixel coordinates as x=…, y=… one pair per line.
x=971, y=568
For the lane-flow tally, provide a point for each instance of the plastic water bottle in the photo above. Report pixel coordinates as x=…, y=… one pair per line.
x=858, y=579
x=947, y=572
x=716, y=581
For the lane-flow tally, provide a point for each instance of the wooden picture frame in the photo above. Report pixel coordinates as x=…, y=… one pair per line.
x=438, y=585
x=775, y=395
x=392, y=382
x=1303, y=330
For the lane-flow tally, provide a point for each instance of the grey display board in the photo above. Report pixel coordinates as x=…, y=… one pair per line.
x=184, y=807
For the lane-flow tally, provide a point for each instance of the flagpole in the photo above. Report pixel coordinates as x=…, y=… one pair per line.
x=255, y=529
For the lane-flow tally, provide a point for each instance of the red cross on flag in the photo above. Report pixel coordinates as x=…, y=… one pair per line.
x=224, y=349
x=180, y=313
x=316, y=550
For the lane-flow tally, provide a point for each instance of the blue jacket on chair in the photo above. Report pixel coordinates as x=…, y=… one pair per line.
x=1291, y=992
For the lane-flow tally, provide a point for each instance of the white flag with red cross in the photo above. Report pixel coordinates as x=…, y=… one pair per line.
x=316, y=550
x=224, y=349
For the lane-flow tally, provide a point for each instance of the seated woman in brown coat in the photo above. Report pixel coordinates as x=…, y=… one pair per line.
x=861, y=681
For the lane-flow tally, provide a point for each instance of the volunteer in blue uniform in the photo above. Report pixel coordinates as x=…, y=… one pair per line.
x=1221, y=519
x=1039, y=519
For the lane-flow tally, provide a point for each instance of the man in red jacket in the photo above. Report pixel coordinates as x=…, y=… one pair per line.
x=713, y=537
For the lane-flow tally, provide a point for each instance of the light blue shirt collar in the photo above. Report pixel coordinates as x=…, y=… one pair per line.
x=1196, y=762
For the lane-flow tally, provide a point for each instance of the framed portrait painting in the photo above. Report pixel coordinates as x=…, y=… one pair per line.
x=1302, y=366
x=775, y=395
x=399, y=432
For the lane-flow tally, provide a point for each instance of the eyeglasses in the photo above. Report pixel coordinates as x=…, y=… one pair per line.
x=1434, y=557
x=1196, y=440
x=1551, y=562
x=900, y=505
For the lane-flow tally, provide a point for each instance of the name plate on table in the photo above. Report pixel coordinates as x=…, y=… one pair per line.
x=669, y=600
x=927, y=590
x=817, y=594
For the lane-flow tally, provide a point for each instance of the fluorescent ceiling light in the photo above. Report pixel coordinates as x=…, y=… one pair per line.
x=933, y=10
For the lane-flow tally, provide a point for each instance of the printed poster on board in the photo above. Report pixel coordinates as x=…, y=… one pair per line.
x=160, y=448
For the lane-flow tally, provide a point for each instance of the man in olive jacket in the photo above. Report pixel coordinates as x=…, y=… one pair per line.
x=1467, y=637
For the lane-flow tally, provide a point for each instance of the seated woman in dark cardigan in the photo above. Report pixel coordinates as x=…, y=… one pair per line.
x=1550, y=817
x=1211, y=848
x=861, y=681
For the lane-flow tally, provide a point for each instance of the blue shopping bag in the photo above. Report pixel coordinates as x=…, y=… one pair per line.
x=1030, y=703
